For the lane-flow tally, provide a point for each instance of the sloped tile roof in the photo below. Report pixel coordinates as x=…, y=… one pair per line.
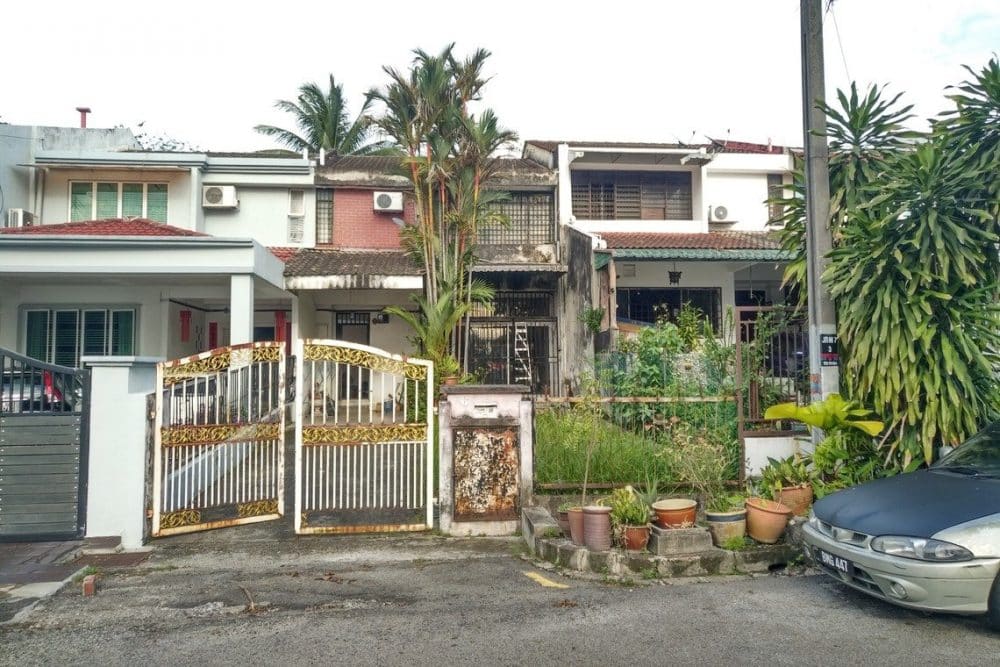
x=283, y=253
x=387, y=171
x=335, y=262
x=703, y=241
x=106, y=227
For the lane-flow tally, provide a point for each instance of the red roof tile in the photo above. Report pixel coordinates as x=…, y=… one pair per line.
x=108, y=227
x=704, y=241
x=283, y=253
x=715, y=145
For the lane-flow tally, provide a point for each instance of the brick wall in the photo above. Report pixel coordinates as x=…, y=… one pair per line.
x=357, y=225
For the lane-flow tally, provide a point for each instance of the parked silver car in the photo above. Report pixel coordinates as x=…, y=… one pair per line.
x=29, y=390
x=927, y=540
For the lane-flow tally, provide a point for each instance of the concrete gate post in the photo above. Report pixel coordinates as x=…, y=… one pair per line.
x=486, y=467
x=116, y=466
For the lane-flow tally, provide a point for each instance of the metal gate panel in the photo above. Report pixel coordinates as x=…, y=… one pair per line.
x=363, y=441
x=219, y=439
x=43, y=445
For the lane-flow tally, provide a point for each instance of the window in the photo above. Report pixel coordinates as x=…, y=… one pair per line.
x=530, y=219
x=649, y=304
x=324, y=216
x=101, y=200
x=775, y=190
x=627, y=195
x=62, y=335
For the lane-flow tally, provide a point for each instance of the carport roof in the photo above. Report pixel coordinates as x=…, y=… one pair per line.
x=337, y=262
x=739, y=246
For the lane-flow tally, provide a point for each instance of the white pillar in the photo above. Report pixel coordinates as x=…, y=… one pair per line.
x=240, y=309
x=303, y=316
x=116, y=461
x=565, y=187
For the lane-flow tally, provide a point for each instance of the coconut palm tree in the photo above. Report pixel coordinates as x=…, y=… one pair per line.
x=323, y=122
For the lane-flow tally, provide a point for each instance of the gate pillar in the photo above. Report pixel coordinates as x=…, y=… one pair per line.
x=116, y=478
x=487, y=458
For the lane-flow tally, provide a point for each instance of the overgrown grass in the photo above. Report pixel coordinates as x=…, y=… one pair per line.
x=620, y=456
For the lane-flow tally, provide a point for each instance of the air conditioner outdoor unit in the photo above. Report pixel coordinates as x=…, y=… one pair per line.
x=388, y=201
x=219, y=196
x=18, y=217
x=718, y=213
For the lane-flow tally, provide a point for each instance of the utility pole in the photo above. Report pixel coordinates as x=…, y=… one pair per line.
x=824, y=361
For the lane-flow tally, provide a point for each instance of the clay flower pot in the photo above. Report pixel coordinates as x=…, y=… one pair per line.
x=797, y=498
x=562, y=518
x=597, y=527
x=726, y=525
x=675, y=512
x=766, y=519
x=635, y=537
x=575, y=515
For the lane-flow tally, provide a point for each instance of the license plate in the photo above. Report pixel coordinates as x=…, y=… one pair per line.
x=835, y=562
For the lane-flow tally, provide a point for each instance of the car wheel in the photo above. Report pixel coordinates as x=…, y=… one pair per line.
x=993, y=615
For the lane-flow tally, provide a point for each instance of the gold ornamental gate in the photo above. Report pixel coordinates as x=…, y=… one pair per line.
x=363, y=450
x=218, y=450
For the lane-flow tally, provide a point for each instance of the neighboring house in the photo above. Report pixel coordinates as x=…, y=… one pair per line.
x=152, y=254
x=358, y=268
x=681, y=223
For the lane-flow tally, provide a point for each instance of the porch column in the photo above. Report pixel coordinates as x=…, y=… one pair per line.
x=240, y=309
x=303, y=316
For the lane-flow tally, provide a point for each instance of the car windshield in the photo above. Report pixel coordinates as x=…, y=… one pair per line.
x=979, y=455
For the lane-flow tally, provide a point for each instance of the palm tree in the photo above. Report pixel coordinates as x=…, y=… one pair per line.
x=323, y=123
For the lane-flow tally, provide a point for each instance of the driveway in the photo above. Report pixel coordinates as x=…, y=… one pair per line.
x=249, y=596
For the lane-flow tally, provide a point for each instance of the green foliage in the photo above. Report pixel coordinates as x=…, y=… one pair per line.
x=781, y=473
x=914, y=269
x=699, y=461
x=689, y=326
x=627, y=508
x=592, y=318
x=323, y=122
x=736, y=543
x=833, y=412
x=724, y=501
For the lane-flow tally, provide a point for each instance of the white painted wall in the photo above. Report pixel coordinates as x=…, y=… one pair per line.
x=263, y=215
x=116, y=466
x=743, y=195
x=758, y=450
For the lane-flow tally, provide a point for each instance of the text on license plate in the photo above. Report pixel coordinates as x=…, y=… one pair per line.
x=835, y=562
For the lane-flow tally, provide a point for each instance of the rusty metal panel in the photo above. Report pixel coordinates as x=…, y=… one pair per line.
x=486, y=473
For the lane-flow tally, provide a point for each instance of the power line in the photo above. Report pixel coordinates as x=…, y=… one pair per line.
x=836, y=28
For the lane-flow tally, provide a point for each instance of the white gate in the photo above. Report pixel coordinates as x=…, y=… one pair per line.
x=219, y=439
x=364, y=456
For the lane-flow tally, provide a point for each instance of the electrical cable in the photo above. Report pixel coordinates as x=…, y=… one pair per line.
x=843, y=56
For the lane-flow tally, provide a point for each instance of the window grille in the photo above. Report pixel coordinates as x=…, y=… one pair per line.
x=529, y=219
x=324, y=216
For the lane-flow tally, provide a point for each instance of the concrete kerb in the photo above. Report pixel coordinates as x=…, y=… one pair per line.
x=27, y=596
x=700, y=561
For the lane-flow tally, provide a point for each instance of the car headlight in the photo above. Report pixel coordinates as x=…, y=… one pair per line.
x=919, y=548
x=813, y=521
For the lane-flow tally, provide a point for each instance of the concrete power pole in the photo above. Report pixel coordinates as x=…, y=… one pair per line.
x=824, y=362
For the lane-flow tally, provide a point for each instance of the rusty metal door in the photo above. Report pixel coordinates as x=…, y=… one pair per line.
x=218, y=448
x=363, y=440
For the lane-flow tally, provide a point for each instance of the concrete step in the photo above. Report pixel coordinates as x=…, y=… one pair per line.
x=93, y=546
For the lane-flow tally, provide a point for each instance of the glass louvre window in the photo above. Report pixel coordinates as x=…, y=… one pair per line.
x=102, y=200
x=131, y=200
x=156, y=202
x=624, y=195
x=95, y=332
x=107, y=201
x=81, y=201
x=37, y=335
x=123, y=333
x=62, y=336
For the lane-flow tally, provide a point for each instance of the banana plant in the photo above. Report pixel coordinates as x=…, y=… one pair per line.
x=831, y=413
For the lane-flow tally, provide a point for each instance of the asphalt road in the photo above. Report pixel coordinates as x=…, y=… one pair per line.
x=243, y=597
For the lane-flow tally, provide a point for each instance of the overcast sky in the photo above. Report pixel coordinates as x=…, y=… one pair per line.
x=207, y=72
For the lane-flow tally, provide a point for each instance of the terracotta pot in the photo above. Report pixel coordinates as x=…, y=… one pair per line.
x=797, y=498
x=766, y=519
x=597, y=527
x=635, y=537
x=726, y=525
x=450, y=380
x=575, y=515
x=675, y=512
x=562, y=518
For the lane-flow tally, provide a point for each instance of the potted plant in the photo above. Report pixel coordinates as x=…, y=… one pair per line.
x=449, y=369
x=699, y=462
x=562, y=517
x=726, y=514
x=630, y=518
x=766, y=519
x=789, y=482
